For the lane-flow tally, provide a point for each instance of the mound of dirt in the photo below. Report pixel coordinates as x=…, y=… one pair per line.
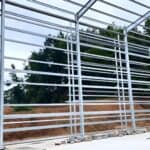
x=64, y=131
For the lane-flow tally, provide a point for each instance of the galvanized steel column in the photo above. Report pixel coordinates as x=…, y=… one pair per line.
x=78, y=15
x=130, y=92
x=2, y=74
x=80, y=90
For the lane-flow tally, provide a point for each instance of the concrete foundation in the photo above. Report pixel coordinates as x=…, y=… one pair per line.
x=128, y=142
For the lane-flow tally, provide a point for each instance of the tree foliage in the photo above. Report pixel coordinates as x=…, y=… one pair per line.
x=50, y=94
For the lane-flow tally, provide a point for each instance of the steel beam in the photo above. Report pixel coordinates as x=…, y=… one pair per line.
x=85, y=8
x=2, y=74
x=138, y=21
x=104, y=13
x=140, y=3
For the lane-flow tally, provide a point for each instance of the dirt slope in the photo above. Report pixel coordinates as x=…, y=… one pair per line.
x=62, y=131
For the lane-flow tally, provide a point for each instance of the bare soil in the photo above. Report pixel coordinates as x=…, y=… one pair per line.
x=61, y=131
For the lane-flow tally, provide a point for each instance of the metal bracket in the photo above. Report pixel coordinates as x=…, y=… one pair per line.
x=84, y=9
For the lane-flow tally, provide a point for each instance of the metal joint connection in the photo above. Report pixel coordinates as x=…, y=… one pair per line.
x=138, y=21
x=84, y=9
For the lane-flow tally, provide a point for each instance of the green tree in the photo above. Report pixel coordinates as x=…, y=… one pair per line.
x=17, y=93
x=47, y=94
x=51, y=94
x=147, y=24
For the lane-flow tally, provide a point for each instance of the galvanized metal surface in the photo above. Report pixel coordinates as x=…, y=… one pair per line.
x=79, y=93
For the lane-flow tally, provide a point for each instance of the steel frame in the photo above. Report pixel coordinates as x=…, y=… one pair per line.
x=138, y=21
x=84, y=9
x=126, y=30
x=78, y=15
x=123, y=91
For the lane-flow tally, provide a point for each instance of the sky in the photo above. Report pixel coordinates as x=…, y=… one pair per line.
x=24, y=51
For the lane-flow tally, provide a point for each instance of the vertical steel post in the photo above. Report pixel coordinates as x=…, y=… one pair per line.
x=123, y=98
x=118, y=84
x=73, y=81
x=80, y=90
x=69, y=83
x=2, y=74
x=130, y=93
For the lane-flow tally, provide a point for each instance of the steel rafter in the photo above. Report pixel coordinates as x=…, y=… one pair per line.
x=84, y=9
x=138, y=21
